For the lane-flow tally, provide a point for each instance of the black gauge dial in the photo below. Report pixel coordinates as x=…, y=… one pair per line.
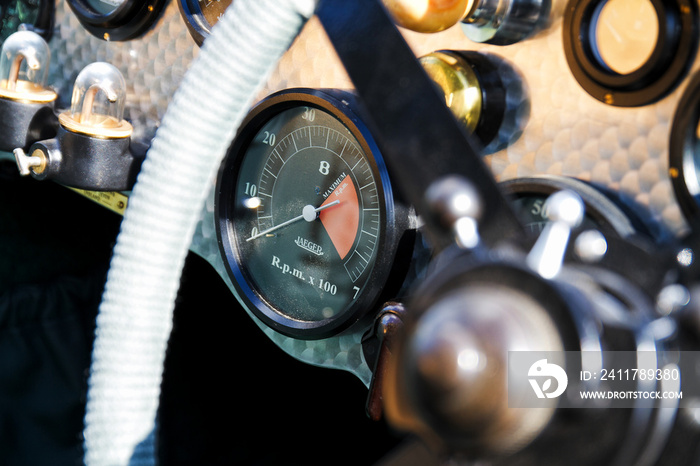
x=630, y=52
x=606, y=211
x=117, y=19
x=36, y=15
x=307, y=221
x=532, y=208
x=684, y=151
x=201, y=15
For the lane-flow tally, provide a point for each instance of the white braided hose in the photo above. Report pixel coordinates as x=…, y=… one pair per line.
x=135, y=316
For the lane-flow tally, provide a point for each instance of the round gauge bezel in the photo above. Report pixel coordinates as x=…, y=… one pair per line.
x=610, y=214
x=683, y=141
x=392, y=218
x=196, y=23
x=668, y=64
x=128, y=20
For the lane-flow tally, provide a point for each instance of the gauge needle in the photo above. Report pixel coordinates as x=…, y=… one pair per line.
x=308, y=213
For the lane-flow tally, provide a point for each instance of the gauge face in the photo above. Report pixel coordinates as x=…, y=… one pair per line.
x=201, y=15
x=312, y=216
x=116, y=20
x=684, y=151
x=534, y=213
x=304, y=215
x=626, y=33
x=105, y=7
x=213, y=9
x=606, y=211
x=630, y=53
x=36, y=13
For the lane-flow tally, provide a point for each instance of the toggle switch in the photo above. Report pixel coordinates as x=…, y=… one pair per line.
x=505, y=22
x=92, y=148
x=26, y=103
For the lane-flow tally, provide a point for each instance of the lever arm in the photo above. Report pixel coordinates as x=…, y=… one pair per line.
x=417, y=134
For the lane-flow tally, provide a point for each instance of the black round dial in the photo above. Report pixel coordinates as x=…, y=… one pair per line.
x=36, y=15
x=533, y=210
x=117, y=19
x=684, y=151
x=607, y=211
x=307, y=220
x=201, y=15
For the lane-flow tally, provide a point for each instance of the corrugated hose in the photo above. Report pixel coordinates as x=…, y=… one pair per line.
x=135, y=317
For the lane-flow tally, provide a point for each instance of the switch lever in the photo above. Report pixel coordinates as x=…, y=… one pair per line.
x=565, y=210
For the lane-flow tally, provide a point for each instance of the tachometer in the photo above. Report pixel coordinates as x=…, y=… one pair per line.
x=307, y=220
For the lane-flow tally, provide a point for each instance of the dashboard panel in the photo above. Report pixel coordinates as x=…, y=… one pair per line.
x=550, y=126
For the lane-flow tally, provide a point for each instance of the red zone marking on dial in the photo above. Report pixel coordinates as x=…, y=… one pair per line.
x=342, y=221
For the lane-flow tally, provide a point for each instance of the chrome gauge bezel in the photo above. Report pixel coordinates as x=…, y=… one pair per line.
x=668, y=64
x=384, y=278
x=127, y=21
x=198, y=26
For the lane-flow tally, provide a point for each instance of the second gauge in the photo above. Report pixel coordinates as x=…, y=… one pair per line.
x=306, y=215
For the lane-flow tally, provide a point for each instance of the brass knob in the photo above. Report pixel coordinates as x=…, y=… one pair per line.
x=459, y=83
x=473, y=90
x=428, y=15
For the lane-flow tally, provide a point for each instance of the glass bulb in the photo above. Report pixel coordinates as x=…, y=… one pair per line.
x=99, y=96
x=24, y=62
